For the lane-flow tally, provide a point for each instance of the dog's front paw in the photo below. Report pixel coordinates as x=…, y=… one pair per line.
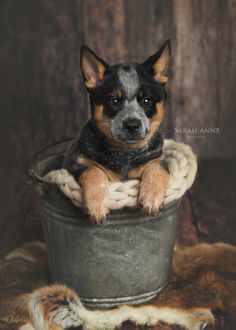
x=94, y=183
x=153, y=187
x=151, y=200
x=97, y=211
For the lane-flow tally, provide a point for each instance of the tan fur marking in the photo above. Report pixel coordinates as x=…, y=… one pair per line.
x=100, y=70
x=104, y=124
x=90, y=84
x=137, y=172
x=161, y=66
x=99, y=113
x=119, y=94
x=154, y=182
x=140, y=93
x=161, y=79
x=157, y=119
x=155, y=123
x=112, y=175
x=94, y=183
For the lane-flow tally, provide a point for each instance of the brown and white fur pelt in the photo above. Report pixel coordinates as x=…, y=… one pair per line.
x=203, y=280
x=58, y=308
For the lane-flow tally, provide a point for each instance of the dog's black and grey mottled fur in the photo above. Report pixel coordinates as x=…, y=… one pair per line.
x=93, y=144
x=127, y=108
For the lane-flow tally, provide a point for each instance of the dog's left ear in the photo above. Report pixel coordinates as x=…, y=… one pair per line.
x=159, y=63
x=93, y=67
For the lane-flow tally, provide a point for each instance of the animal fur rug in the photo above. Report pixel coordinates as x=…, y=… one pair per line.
x=203, y=280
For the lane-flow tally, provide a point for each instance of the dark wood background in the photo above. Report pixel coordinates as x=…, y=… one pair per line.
x=42, y=97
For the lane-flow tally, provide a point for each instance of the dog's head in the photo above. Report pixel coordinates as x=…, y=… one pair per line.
x=127, y=99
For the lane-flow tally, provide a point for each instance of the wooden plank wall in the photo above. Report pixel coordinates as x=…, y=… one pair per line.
x=43, y=99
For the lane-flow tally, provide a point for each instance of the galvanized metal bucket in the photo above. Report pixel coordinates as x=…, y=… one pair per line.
x=127, y=260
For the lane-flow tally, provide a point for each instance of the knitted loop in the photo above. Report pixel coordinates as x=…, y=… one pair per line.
x=182, y=165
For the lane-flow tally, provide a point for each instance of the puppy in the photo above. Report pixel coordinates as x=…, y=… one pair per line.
x=121, y=140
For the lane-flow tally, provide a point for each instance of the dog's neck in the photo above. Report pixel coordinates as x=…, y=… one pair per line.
x=93, y=144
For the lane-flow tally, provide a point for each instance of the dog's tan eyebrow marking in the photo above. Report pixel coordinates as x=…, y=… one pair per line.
x=119, y=94
x=129, y=80
x=141, y=93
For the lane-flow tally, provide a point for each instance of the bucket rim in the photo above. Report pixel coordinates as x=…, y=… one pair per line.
x=39, y=157
x=39, y=180
x=116, y=217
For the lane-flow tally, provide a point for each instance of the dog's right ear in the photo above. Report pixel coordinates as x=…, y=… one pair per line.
x=93, y=68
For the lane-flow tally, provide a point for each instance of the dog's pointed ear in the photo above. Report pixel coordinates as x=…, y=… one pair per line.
x=93, y=68
x=159, y=62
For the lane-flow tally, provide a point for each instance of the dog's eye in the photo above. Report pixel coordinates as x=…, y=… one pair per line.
x=148, y=101
x=114, y=101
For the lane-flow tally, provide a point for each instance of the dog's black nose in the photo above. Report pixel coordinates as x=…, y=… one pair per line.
x=132, y=124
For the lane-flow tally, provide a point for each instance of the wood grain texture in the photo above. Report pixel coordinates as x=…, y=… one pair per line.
x=42, y=97
x=204, y=72
x=20, y=95
x=61, y=35
x=213, y=201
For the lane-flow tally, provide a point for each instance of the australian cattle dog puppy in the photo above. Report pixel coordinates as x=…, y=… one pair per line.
x=121, y=140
